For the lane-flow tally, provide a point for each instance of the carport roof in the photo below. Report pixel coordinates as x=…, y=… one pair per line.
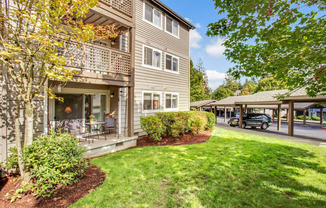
x=269, y=98
x=201, y=103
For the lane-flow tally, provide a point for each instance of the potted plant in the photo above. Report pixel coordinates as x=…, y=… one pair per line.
x=91, y=119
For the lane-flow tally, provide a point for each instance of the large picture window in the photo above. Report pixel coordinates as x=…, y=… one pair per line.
x=171, y=63
x=172, y=26
x=152, y=57
x=152, y=15
x=171, y=101
x=151, y=101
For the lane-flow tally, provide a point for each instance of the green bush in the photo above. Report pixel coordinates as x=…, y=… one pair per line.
x=52, y=160
x=285, y=116
x=11, y=162
x=301, y=117
x=167, y=119
x=181, y=124
x=315, y=118
x=211, y=120
x=153, y=126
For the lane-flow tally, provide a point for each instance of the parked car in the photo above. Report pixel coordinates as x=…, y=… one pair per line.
x=253, y=120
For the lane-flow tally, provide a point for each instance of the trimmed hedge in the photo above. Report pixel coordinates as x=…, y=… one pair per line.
x=153, y=126
x=177, y=123
x=301, y=117
x=315, y=118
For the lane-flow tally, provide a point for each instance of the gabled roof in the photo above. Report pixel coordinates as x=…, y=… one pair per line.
x=173, y=14
x=201, y=103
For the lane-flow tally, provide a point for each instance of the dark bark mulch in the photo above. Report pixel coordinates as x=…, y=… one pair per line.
x=62, y=197
x=201, y=137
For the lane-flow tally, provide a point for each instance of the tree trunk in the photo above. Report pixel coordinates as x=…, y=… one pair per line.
x=28, y=124
x=25, y=176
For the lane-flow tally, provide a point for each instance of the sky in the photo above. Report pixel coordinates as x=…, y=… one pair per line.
x=208, y=49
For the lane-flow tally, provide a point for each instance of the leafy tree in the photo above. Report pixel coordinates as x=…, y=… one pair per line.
x=276, y=38
x=228, y=88
x=270, y=83
x=35, y=41
x=248, y=88
x=198, y=83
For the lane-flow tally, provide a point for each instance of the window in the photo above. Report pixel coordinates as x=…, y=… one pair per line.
x=151, y=101
x=171, y=101
x=172, y=26
x=152, y=57
x=152, y=15
x=171, y=63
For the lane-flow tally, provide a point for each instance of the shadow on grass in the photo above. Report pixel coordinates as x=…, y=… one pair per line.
x=231, y=170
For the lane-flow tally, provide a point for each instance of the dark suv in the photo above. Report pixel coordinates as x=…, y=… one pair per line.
x=253, y=120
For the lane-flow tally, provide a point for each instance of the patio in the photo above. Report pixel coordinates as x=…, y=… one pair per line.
x=97, y=145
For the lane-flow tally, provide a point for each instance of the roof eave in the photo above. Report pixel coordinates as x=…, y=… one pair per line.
x=174, y=14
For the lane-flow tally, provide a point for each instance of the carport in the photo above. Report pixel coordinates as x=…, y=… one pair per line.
x=293, y=100
x=200, y=104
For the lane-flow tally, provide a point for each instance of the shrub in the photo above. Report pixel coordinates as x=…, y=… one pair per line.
x=285, y=116
x=301, y=117
x=153, y=126
x=11, y=162
x=315, y=118
x=167, y=118
x=52, y=160
x=211, y=120
x=181, y=124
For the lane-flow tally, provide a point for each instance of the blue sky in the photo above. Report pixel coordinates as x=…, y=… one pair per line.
x=210, y=50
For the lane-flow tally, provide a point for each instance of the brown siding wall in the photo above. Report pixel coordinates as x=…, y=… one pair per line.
x=147, y=79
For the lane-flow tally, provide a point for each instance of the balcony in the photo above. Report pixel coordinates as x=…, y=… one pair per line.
x=99, y=62
x=124, y=6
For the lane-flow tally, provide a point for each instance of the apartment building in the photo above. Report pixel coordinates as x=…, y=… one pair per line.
x=143, y=71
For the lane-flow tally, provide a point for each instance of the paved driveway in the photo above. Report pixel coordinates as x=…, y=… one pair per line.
x=309, y=134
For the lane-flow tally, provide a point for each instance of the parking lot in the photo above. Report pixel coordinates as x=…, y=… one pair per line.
x=309, y=133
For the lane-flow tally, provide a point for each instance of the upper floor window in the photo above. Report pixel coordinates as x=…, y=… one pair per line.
x=171, y=63
x=172, y=26
x=152, y=15
x=152, y=57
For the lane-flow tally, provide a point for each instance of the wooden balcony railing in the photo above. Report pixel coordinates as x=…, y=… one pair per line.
x=99, y=59
x=124, y=6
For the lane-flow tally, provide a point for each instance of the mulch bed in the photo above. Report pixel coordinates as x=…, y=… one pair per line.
x=62, y=197
x=201, y=137
x=65, y=196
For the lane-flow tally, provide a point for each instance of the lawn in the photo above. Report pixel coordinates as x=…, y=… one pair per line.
x=231, y=170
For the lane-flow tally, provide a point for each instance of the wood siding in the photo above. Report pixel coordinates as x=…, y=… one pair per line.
x=147, y=79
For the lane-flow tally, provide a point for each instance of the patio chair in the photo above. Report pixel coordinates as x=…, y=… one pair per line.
x=110, y=125
x=75, y=127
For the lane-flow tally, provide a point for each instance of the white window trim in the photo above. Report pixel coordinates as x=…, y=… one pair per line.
x=173, y=20
x=168, y=70
x=148, y=66
x=152, y=23
x=171, y=109
x=152, y=111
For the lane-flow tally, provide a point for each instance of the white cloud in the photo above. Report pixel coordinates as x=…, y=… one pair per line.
x=215, y=48
x=215, y=78
x=189, y=20
x=198, y=25
x=195, y=38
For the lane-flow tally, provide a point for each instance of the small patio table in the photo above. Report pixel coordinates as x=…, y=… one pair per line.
x=96, y=128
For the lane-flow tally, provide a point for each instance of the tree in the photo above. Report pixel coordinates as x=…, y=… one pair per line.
x=228, y=88
x=248, y=88
x=276, y=38
x=198, y=83
x=268, y=84
x=35, y=43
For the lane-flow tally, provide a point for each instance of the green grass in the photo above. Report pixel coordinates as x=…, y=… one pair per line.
x=231, y=170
